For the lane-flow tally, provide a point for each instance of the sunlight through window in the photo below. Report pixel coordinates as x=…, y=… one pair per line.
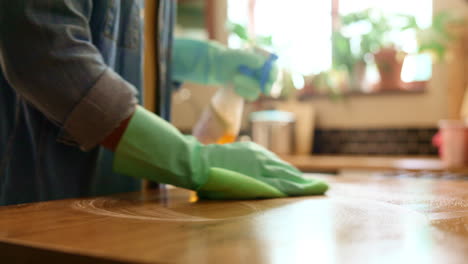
x=301, y=30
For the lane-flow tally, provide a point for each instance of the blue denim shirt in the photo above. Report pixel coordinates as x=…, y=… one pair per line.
x=69, y=74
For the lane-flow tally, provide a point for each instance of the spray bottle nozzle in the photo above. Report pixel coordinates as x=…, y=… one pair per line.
x=262, y=73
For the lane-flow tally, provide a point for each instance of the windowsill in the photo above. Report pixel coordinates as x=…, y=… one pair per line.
x=414, y=88
x=357, y=93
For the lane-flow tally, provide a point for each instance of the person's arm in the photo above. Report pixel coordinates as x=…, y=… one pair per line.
x=112, y=140
x=48, y=58
x=153, y=149
x=208, y=62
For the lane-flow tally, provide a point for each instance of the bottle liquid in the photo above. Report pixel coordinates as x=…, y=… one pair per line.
x=220, y=122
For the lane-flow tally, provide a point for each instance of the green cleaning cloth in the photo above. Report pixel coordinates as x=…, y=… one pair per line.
x=225, y=184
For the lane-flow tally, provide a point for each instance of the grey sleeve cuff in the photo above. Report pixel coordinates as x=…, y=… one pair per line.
x=110, y=101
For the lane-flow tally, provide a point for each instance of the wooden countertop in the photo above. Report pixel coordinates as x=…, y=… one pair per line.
x=335, y=163
x=359, y=220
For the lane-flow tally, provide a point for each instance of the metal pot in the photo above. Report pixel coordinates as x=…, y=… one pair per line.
x=274, y=130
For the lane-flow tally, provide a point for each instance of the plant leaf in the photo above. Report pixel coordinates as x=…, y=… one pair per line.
x=239, y=30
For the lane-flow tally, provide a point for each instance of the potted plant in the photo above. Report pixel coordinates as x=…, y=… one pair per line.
x=389, y=61
x=436, y=38
x=344, y=59
x=375, y=37
x=364, y=33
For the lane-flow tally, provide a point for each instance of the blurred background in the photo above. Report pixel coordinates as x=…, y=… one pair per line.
x=358, y=77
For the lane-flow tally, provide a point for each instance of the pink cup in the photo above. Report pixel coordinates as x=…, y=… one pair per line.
x=454, y=137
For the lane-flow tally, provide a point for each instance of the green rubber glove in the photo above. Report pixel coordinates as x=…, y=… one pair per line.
x=153, y=149
x=208, y=62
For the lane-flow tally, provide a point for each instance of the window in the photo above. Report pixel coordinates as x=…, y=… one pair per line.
x=283, y=20
x=301, y=31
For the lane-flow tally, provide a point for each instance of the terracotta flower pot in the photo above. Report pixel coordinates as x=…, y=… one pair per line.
x=389, y=62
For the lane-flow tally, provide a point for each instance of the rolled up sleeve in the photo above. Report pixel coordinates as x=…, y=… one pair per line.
x=47, y=56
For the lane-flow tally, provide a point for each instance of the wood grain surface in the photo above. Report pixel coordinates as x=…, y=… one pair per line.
x=359, y=220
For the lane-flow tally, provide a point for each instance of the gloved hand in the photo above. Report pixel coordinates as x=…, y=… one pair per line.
x=153, y=149
x=208, y=62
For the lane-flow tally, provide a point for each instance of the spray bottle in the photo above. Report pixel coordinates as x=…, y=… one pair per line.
x=220, y=122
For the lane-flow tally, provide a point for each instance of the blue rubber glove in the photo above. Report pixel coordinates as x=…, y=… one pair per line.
x=208, y=62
